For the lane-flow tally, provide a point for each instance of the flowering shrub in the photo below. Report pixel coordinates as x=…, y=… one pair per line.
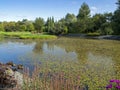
x=114, y=85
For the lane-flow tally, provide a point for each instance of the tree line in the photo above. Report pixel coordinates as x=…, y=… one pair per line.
x=104, y=24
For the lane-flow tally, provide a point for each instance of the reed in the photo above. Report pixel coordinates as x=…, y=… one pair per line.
x=49, y=81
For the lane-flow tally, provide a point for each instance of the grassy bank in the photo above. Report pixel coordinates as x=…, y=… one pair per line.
x=93, y=34
x=27, y=35
x=35, y=36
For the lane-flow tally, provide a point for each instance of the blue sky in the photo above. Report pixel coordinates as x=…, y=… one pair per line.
x=14, y=10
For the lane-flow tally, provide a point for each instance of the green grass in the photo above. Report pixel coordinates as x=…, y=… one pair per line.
x=93, y=34
x=27, y=35
x=37, y=37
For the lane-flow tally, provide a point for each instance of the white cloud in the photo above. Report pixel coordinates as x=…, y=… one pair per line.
x=94, y=10
x=3, y=15
x=20, y=16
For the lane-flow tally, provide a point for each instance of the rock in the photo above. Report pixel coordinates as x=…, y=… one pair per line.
x=10, y=63
x=19, y=78
x=0, y=63
x=20, y=67
x=9, y=71
x=8, y=77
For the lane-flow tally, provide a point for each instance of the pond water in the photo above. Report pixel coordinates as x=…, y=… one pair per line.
x=63, y=49
x=98, y=56
x=29, y=51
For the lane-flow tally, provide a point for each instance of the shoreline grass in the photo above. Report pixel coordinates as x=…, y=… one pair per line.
x=27, y=35
x=49, y=81
x=93, y=34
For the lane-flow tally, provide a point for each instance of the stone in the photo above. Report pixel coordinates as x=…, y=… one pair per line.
x=9, y=78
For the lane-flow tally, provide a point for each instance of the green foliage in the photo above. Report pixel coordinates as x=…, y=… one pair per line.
x=30, y=27
x=84, y=11
x=50, y=25
x=70, y=18
x=116, y=19
x=106, y=29
x=60, y=28
x=104, y=24
x=98, y=20
x=22, y=28
x=39, y=24
x=118, y=3
x=69, y=21
x=83, y=25
x=26, y=25
x=9, y=26
x=1, y=27
x=83, y=19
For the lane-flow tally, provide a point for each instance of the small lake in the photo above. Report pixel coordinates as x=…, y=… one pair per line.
x=63, y=49
x=30, y=51
x=98, y=56
x=70, y=49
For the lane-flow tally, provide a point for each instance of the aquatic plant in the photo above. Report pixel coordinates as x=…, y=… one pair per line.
x=49, y=81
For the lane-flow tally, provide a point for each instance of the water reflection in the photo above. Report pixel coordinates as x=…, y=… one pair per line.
x=64, y=49
x=10, y=51
x=102, y=62
x=50, y=51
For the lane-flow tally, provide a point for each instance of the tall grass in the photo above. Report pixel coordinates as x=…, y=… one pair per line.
x=49, y=81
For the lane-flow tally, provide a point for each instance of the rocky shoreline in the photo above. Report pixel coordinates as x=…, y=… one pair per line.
x=10, y=77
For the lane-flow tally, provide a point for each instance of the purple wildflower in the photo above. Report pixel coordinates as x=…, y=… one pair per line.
x=109, y=86
x=117, y=81
x=112, y=80
x=118, y=87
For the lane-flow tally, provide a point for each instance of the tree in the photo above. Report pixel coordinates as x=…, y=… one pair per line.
x=116, y=19
x=84, y=12
x=39, y=24
x=50, y=25
x=30, y=27
x=1, y=26
x=118, y=3
x=98, y=20
x=106, y=27
x=69, y=21
x=102, y=23
x=83, y=19
x=26, y=25
x=70, y=18
x=60, y=28
x=9, y=26
x=20, y=26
